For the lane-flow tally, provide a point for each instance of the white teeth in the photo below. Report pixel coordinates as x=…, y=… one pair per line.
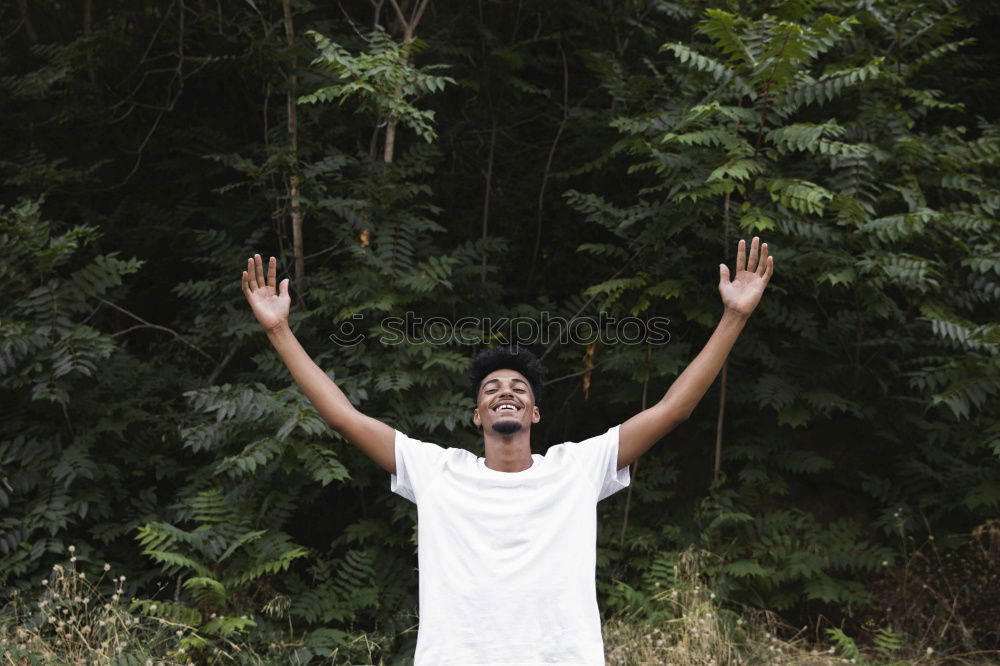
x=511, y=408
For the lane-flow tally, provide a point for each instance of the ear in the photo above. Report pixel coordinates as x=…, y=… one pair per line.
x=536, y=415
x=475, y=418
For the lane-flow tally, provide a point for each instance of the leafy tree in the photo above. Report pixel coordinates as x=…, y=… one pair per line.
x=791, y=129
x=551, y=160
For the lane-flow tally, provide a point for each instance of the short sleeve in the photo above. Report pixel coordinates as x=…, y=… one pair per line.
x=599, y=458
x=416, y=464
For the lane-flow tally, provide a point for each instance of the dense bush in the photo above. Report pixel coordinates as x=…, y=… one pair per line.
x=496, y=160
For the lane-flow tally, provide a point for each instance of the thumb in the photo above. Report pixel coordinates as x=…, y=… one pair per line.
x=283, y=287
x=723, y=275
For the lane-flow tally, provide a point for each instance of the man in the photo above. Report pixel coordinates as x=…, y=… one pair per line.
x=506, y=543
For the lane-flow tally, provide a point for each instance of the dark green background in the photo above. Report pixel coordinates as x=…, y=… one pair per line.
x=578, y=168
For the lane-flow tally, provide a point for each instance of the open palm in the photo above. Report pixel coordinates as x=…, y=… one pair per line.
x=743, y=292
x=270, y=304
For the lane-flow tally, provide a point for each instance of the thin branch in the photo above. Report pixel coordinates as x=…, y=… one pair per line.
x=152, y=40
x=267, y=98
x=377, y=12
x=298, y=216
x=129, y=98
x=635, y=464
x=147, y=324
x=588, y=302
x=324, y=251
x=142, y=326
x=224, y=362
x=29, y=27
x=577, y=374
x=418, y=12
x=179, y=78
x=968, y=654
x=138, y=158
x=88, y=22
x=763, y=113
x=350, y=22
x=719, y=420
x=486, y=196
x=553, y=420
x=548, y=164
x=399, y=12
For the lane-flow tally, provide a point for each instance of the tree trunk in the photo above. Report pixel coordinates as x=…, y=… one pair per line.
x=88, y=22
x=293, y=141
x=390, y=140
x=409, y=30
x=719, y=424
x=390, y=128
x=635, y=465
x=548, y=167
x=29, y=27
x=486, y=196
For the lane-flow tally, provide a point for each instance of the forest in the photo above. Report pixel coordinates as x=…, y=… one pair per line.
x=436, y=177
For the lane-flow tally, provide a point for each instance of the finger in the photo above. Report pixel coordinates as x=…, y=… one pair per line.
x=769, y=271
x=753, y=258
x=245, y=283
x=272, y=274
x=259, y=268
x=763, y=259
x=251, y=275
x=741, y=256
x=284, y=287
x=723, y=275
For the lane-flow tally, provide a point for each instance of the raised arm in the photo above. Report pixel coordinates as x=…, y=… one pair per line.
x=739, y=296
x=270, y=305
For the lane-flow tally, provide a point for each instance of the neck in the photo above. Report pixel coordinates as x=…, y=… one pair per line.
x=508, y=453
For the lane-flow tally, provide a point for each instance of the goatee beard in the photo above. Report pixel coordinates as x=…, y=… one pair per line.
x=506, y=427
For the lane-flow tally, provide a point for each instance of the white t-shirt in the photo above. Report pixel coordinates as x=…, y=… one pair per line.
x=507, y=559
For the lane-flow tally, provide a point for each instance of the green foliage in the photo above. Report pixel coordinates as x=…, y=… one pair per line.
x=578, y=160
x=791, y=129
x=51, y=350
x=217, y=562
x=845, y=645
x=886, y=645
x=774, y=557
x=383, y=79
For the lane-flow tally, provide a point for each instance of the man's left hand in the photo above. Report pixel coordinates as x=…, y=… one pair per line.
x=741, y=294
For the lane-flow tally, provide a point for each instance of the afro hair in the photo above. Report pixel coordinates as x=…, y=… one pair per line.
x=506, y=358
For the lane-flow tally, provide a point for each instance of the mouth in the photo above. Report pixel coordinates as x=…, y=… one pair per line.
x=506, y=409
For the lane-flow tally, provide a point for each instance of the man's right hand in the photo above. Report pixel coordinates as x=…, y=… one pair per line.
x=270, y=302
x=270, y=305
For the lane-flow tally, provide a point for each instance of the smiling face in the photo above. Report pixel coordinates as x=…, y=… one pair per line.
x=506, y=403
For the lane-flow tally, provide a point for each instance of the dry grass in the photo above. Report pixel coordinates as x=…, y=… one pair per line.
x=701, y=632
x=71, y=622
x=947, y=598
